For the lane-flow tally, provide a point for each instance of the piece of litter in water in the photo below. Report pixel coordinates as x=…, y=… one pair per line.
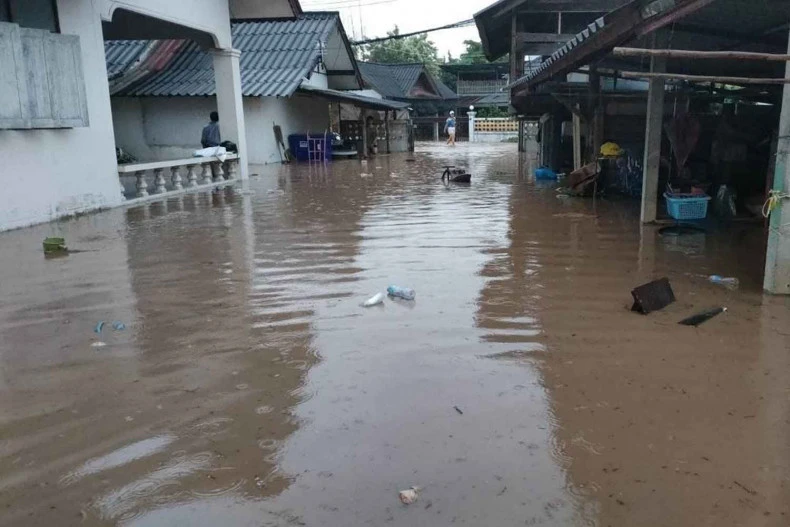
x=374, y=300
x=458, y=410
x=700, y=318
x=128, y=418
x=409, y=496
x=118, y=326
x=99, y=327
x=98, y=344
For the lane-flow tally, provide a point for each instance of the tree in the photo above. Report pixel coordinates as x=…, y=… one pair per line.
x=401, y=50
x=474, y=54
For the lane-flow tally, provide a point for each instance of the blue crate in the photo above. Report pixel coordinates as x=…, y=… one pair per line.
x=687, y=206
x=545, y=173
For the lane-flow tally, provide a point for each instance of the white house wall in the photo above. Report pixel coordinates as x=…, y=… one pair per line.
x=211, y=16
x=53, y=173
x=158, y=128
x=255, y=9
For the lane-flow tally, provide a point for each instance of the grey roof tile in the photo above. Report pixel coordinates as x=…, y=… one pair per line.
x=276, y=55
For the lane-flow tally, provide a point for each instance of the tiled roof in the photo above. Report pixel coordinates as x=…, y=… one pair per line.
x=395, y=81
x=120, y=54
x=276, y=56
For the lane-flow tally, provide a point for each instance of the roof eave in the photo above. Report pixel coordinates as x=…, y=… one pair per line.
x=618, y=26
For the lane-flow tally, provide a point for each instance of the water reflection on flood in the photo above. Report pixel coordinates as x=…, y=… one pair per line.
x=251, y=387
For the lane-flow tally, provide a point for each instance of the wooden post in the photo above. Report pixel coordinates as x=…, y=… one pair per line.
x=777, y=258
x=577, y=141
x=436, y=128
x=595, y=133
x=516, y=53
x=387, y=128
x=363, y=126
x=653, y=130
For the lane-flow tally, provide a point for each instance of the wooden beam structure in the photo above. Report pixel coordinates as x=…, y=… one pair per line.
x=620, y=26
x=701, y=78
x=543, y=38
x=694, y=54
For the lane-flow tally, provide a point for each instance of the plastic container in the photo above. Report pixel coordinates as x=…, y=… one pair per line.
x=687, y=206
x=401, y=292
x=374, y=300
x=545, y=173
x=729, y=283
x=300, y=146
x=54, y=245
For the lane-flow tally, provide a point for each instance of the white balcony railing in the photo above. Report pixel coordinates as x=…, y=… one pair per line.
x=480, y=87
x=200, y=172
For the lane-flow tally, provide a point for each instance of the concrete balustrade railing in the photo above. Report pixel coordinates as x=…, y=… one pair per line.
x=168, y=176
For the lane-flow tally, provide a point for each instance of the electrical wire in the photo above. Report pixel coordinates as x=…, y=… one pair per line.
x=463, y=23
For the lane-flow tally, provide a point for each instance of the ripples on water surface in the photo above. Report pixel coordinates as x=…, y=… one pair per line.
x=251, y=388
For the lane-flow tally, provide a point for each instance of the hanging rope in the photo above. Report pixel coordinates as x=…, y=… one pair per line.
x=774, y=199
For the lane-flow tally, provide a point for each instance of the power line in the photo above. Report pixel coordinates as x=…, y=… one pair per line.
x=463, y=23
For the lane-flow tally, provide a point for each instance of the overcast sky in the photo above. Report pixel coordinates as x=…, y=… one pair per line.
x=379, y=16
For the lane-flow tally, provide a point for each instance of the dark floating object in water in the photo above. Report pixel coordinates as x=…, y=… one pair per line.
x=456, y=175
x=700, y=318
x=653, y=296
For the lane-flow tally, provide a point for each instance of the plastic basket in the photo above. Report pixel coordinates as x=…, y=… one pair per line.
x=687, y=207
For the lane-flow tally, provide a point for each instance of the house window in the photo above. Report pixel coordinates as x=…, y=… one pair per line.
x=36, y=14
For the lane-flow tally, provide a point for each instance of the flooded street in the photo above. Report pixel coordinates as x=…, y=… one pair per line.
x=250, y=388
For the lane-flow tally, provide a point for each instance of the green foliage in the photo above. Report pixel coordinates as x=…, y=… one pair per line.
x=410, y=49
x=489, y=112
x=474, y=55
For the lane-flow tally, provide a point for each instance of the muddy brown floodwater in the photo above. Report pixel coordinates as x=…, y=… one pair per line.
x=250, y=388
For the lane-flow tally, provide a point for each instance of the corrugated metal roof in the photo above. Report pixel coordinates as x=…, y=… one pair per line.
x=276, y=56
x=121, y=54
x=355, y=98
x=580, y=37
x=395, y=81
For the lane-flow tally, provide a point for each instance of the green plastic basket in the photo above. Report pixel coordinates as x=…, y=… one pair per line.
x=54, y=245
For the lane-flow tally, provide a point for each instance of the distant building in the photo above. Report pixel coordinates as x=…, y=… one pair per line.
x=291, y=72
x=481, y=85
x=410, y=83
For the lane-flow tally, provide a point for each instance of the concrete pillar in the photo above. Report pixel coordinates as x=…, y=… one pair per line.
x=363, y=126
x=472, y=116
x=227, y=77
x=777, y=258
x=653, y=130
x=436, y=128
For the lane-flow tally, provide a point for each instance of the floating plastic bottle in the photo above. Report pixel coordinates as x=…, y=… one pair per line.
x=729, y=283
x=401, y=292
x=374, y=300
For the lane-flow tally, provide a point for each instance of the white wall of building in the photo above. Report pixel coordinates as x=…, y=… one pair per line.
x=53, y=173
x=159, y=128
x=211, y=16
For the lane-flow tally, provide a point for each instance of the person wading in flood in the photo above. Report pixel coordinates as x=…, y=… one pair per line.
x=210, y=136
x=449, y=129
